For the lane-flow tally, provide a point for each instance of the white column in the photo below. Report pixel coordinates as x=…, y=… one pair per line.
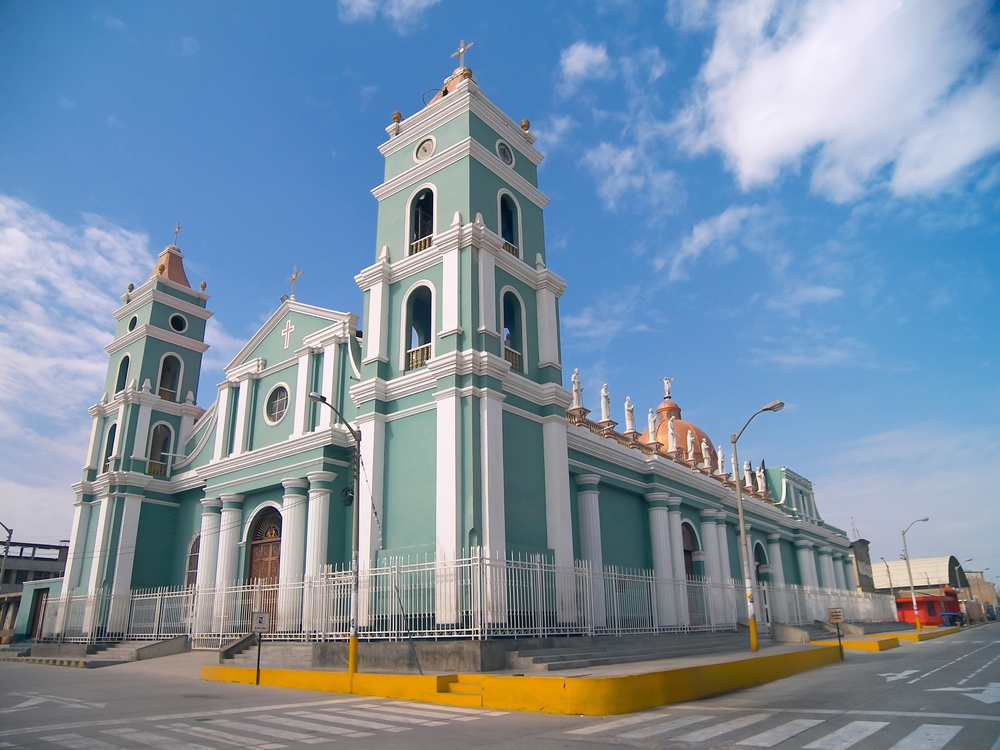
x=121, y=585
x=208, y=560
x=98, y=561
x=548, y=327
x=96, y=434
x=558, y=515
x=710, y=540
x=141, y=435
x=589, y=512
x=838, y=571
x=224, y=608
x=377, y=318
x=774, y=559
x=663, y=563
x=807, y=563
x=293, y=553
x=450, y=293
x=677, y=552
x=318, y=523
x=243, y=417
x=494, y=537
x=849, y=579
x=222, y=420
x=487, y=293
x=723, y=542
x=302, y=371
x=328, y=382
x=372, y=428
x=448, y=494
x=828, y=580
x=74, y=561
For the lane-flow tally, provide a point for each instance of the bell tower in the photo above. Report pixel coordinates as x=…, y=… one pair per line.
x=461, y=400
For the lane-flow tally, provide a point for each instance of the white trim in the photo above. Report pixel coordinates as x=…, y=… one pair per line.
x=127, y=359
x=160, y=334
x=337, y=435
x=183, y=319
x=248, y=481
x=404, y=338
x=168, y=463
x=180, y=377
x=288, y=403
x=105, y=454
x=245, y=531
x=419, y=142
x=409, y=412
x=520, y=231
x=524, y=328
x=409, y=216
x=152, y=294
x=697, y=536
x=513, y=157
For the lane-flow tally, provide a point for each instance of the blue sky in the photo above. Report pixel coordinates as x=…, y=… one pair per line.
x=760, y=199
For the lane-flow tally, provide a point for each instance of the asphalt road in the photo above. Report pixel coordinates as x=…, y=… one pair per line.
x=938, y=694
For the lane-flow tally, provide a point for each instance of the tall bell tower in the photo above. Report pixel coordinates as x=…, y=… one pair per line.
x=461, y=400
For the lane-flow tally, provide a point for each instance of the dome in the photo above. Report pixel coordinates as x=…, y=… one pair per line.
x=664, y=412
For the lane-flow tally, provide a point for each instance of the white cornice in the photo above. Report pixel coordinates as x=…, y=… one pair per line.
x=155, y=333
x=338, y=333
x=250, y=368
x=336, y=435
x=453, y=154
x=151, y=294
x=151, y=283
x=466, y=96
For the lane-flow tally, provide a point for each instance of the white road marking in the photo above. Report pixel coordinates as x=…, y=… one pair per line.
x=453, y=709
x=36, y=699
x=666, y=726
x=996, y=745
x=237, y=740
x=281, y=734
x=893, y=676
x=608, y=725
x=852, y=712
x=990, y=694
x=272, y=707
x=76, y=742
x=962, y=682
x=390, y=708
x=953, y=661
x=381, y=713
x=700, y=735
x=352, y=721
x=927, y=737
x=155, y=740
x=772, y=737
x=848, y=736
x=312, y=726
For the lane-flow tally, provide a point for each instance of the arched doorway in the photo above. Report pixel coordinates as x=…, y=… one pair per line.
x=265, y=547
x=761, y=569
x=690, y=543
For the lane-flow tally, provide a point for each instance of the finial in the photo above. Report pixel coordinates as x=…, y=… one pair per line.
x=397, y=117
x=525, y=125
x=161, y=268
x=130, y=288
x=177, y=230
x=460, y=54
x=296, y=273
x=202, y=286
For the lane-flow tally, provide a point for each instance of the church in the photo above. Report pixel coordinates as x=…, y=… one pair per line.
x=491, y=501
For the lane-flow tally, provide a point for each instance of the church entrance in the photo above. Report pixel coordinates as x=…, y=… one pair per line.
x=265, y=548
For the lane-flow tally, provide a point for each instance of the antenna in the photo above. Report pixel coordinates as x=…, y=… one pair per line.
x=854, y=530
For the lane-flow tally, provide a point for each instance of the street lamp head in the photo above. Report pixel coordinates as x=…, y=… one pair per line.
x=774, y=406
x=925, y=518
x=314, y=396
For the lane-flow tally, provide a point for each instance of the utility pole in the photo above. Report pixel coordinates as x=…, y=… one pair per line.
x=6, y=551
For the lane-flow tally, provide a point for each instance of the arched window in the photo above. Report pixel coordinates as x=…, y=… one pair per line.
x=191, y=575
x=759, y=559
x=122, y=380
x=421, y=221
x=170, y=375
x=418, y=327
x=513, y=332
x=109, y=447
x=159, y=451
x=690, y=543
x=508, y=224
x=265, y=547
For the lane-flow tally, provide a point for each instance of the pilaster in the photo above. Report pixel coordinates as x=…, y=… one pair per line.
x=589, y=513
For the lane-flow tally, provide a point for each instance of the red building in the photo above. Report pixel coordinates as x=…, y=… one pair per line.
x=930, y=606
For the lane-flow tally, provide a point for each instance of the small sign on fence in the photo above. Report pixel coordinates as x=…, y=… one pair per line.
x=835, y=615
x=260, y=623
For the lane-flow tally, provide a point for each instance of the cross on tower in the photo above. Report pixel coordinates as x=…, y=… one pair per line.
x=287, y=331
x=296, y=273
x=460, y=54
x=177, y=230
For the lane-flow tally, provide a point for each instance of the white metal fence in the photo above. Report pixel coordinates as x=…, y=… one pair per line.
x=473, y=597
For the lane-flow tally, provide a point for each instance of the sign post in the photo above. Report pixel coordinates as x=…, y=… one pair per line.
x=260, y=623
x=835, y=615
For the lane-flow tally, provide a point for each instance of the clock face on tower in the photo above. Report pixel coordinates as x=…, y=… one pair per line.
x=505, y=154
x=424, y=150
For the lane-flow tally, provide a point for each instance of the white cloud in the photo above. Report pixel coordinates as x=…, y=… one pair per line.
x=582, y=61
x=808, y=348
x=720, y=232
x=690, y=15
x=860, y=89
x=113, y=122
x=189, y=46
x=66, y=103
x=628, y=171
x=404, y=14
x=598, y=326
x=792, y=299
x=114, y=23
x=551, y=133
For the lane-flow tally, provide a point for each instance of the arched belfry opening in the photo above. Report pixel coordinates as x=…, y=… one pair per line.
x=421, y=221
x=170, y=374
x=122, y=378
x=418, y=327
x=109, y=447
x=513, y=331
x=159, y=451
x=265, y=547
x=508, y=224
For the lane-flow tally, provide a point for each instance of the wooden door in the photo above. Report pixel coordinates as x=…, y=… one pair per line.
x=38, y=613
x=264, y=557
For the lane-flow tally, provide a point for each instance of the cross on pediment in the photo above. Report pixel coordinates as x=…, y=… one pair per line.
x=287, y=331
x=460, y=53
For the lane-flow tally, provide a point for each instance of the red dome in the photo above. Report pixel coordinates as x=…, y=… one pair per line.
x=664, y=412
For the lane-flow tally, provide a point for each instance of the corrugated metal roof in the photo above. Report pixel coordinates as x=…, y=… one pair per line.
x=927, y=571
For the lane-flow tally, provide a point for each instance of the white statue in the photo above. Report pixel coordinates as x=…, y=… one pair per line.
x=705, y=452
x=666, y=388
x=629, y=415
x=671, y=436
x=605, y=404
x=747, y=479
x=761, y=479
x=577, y=390
x=690, y=446
x=651, y=424
x=722, y=461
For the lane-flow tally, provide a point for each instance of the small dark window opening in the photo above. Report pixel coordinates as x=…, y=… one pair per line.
x=418, y=327
x=191, y=575
x=170, y=372
x=508, y=220
x=758, y=559
x=422, y=217
x=122, y=380
x=159, y=450
x=690, y=544
x=513, y=344
x=109, y=448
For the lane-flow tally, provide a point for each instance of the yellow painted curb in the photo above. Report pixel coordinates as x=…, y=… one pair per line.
x=925, y=635
x=591, y=696
x=861, y=644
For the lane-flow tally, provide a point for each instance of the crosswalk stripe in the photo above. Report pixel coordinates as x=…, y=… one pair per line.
x=477, y=712
x=312, y=726
x=772, y=737
x=76, y=742
x=352, y=722
x=609, y=725
x=380, y=713
x=387, y=708
x=236, y=740
x=155, y=740
x=927, y=737
x=847, y=736
x=700, y=735
x=666, y=726
x=281, y=734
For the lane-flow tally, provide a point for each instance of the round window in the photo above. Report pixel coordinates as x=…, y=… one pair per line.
x=505, y=154
x=277, y=404
x=131, y=323
x=178, y=323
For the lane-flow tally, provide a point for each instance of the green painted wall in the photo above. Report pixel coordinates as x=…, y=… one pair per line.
x=262, y=432
x=155, y=547
x=524, y=484
x=408, y=515
x=624, y=529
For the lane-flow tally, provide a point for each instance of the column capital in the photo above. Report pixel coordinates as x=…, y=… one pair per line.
x=824, y=551
x=321, y=480
x=803, y=544
x=232, y=501
x=587, y=482
x=774, y=538
x=838, y=556
x=659, y=498
x=707, y=515
x=720, y=517
x=698, y=555
x=295, y=486
x=674, y=503
x=211, y=505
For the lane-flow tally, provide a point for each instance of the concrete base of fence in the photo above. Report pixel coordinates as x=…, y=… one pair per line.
x=863, y=644
x=591, y=696
x=927, y=634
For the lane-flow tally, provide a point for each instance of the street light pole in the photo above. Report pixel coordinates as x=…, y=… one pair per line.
x=891, y=592
x=6, y=550
x=352, y=643
x=744, y=549
x=909, y=572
